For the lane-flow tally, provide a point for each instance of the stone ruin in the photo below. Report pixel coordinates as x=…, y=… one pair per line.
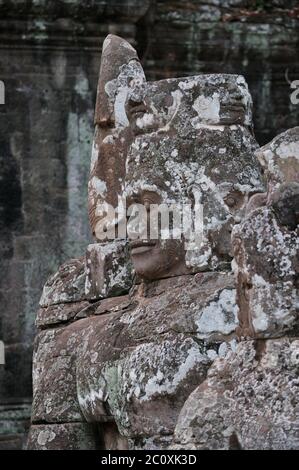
x=147, y=345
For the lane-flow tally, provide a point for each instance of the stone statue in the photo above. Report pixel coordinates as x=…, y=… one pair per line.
x=193, y=143
x=120, y=71
x=127, y=335
x=254, y=388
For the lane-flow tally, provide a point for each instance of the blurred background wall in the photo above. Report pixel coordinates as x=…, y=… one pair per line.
x=49, y=62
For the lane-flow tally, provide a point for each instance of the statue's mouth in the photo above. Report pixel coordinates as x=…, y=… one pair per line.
x=137, y=111
x=141, y=246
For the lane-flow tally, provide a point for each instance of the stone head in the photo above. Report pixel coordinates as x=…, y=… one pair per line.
x=192, y=144
x=280, y=159
x=266, y=245
x=280, y=162
x=120, y=71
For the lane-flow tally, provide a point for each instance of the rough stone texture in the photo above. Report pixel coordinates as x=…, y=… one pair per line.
x=109, y=270
x=280, y=159
x=119, y=72
x=266, y=246
x=197, y=131
x=159, y=367
x=250, y=399
x=267, y=288
x=128, y=359
x=55, y=314
x=74, y=436
x=49, y=61
x=67, y=285
x=54, y=378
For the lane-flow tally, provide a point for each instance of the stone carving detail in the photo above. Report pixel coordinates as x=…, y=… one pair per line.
x=193, y=143
x=67, y=285
x=155, y=363
x=108, y=270
x=266, y=246
x=120, y=71
x=249, y=399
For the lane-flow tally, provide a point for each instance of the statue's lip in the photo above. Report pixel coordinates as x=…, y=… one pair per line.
x=140, y=246
x=137, y=243
x=137, y=110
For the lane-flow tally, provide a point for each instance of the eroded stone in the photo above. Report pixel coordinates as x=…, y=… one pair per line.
x=249, y=401
x=67, y=285
x=72, y=436
x=108, y=270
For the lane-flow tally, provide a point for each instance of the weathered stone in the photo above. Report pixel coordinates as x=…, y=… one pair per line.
x=249, y=401
x=120, y=71
x=72, y=436
x=133, y=362
x=150, y=351
x=198, y=131
x=108, y=270
x=59, y=313
x=266, y=263
x=67, y=285
x=49, y=61
x=141, y=355
x=113, y=304
x=280, y=159
x=54, y=395
x=285, y=205
x=54, y=374
x=266, y=247
x=151, y=355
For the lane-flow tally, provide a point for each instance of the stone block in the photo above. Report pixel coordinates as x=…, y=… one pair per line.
x=67, y=285
x=71, y=436
x=108, y=269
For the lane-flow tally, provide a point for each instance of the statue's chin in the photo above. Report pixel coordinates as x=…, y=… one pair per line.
x=147, y=264
x=153, y=263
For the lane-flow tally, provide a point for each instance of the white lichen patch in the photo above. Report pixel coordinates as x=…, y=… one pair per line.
x=98, y=185
x=288, y=150
x=219, y=316
x=208, y=109
x=146, y=120
x=149, y=373
x=94, y=156
x=44, y=437
x=271, y=306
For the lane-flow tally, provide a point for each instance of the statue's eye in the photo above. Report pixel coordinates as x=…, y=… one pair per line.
x=135, y=81
x=167, y=102
x=230, y=201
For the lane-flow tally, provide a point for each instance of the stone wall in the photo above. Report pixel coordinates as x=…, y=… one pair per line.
x=49, y=62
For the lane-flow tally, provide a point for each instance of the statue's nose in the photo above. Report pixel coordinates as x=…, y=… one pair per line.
x=134, y=198
x=105, y=122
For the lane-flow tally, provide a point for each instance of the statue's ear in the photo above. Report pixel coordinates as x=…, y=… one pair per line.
x=261, y=155
x=116, y=53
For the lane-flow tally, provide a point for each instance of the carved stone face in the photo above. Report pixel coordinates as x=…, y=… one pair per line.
x=154, y=258
x=184, y=141
x=192, y=144
x=120, y=71
x=280, y=160
x=266, y=245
